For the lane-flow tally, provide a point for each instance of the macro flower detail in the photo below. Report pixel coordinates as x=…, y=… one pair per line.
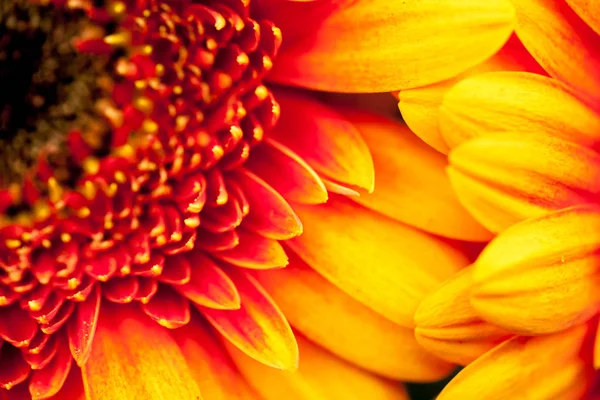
x=522, y=141
x=151, y=162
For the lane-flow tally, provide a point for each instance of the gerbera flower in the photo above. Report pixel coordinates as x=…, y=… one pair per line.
x=523, y=160
x=142, y=174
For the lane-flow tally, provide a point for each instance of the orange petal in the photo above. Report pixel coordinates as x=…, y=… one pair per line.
x=507, y=177
x=541, y=275
x=211, y=367
x=258, y=328
x=82, y=327
x=384, y=264
x=515, y=101
x=255, y=252
x=320, y=376
x=541, y=368
x=597, y=348
x=135, y=358
x=334, y=320
x=411, y=181
x=287, y=172
x=562, y=43
x=449, y=327
x=324, y=139
x=270, y=215
x=420, y=106
x=369, y=46
x=589, y=11
x=45, y=383
x=209, y=286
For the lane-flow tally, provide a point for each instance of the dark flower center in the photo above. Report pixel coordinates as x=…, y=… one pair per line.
x=48, y=87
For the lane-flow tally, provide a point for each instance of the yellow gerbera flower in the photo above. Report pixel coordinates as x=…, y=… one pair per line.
x=143, y=171
x=522, y=144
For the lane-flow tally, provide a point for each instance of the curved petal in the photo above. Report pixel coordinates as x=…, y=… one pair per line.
x=324, y=139
x=384, y=264
x=81, y=327
x=270, y=215
x=589, y=11
x=370, y=46
x=507, y=177
x=515, y=101
x=287, y=173
x=209, y=364
x=541, y=368
x=135, y=358
x=319, y=376
x=562, y=43
x=254, y=252
x=449, y=327
x=258, y=328
x=342, y=325
x=420, y=106
x=411, y=181
x=542, y=275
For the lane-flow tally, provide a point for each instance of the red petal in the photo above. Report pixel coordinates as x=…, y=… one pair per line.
x=147, y=287
x=47, y=382
x=287, y=173
x=16, y=326
x=60, y=319
x=270, y=215
x=43, y=358
x=209, y=286
x=177, y=270
x=82, y=327
x=258, y=328
x=13, y=368
x=121, y=290
x=255, y=252
x=168, y=308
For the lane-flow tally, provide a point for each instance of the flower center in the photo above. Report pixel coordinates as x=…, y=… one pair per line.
x=119, y=139
x=47, y=87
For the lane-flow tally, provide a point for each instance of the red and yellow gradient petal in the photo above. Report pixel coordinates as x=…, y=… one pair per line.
x=154, y=368
x=320, y=376
x=384, y=264
x=541, y=276
x=411, y=182
x=347, y=328
x=371, y=45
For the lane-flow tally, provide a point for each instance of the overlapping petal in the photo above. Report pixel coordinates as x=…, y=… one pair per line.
x=541, y=275
x=449, y=327
x=384, y=264
x=371, y=45
x=336, y=321
x=515, y=101
x=508, y=177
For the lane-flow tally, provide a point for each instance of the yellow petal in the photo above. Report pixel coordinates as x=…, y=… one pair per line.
x=563, y=44
x=135, y=358
x=449, y=327
x=515, y=101
x=411, y=181
x=507, y=177
x=589, y=11
x=420, y=106
x=540, y=368
x=211, y=367
x=324, y=139
x=386, y=265
x=384, y=45
x=258, y=327
x=541, y=275
x=320, y=376
x=334, y=320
